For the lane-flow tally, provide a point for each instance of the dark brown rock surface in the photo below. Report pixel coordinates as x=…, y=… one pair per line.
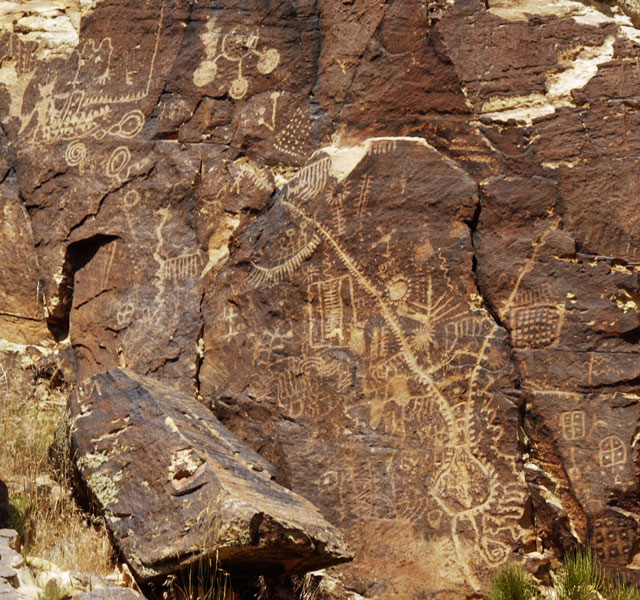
x=393, y=246
x=176, y=486
x=366, y=368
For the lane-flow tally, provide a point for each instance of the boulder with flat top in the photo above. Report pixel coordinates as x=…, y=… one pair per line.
x=177, y=487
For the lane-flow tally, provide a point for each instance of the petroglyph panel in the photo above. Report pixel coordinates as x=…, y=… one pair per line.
x=613, y=537
x=569, y=330
x=346, y=337
x=143, y=284
x=592, y=437
x=94, y=96
x=278, y=124
x=365, y=356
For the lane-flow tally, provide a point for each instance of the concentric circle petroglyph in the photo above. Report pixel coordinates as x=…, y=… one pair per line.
x=75, y=154
x=131, y=124
x=118, y=160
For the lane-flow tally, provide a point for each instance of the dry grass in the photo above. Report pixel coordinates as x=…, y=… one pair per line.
x=51, y=525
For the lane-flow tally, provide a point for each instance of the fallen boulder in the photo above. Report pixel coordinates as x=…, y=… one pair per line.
x=175, y=486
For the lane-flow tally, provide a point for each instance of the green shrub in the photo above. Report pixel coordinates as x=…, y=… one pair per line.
x=621, y=589
x=52, y=591
x=512, y=582
x=581, y=577
x=21, y=515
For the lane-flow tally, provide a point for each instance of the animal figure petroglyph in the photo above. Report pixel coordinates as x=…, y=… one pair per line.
x=78, y=113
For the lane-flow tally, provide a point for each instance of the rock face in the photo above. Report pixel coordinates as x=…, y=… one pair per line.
x=21, y=309
x=358, y=344
x=175, y=485
x=393, y=246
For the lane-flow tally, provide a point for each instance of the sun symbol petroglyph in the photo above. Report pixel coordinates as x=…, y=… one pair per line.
x=398, y=289
x=237, y=46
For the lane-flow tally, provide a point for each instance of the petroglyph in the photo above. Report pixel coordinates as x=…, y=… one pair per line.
x=118, y=160
x=382, y=146
x=293, y=139
x=75, y=154
x=612, y=454
x=231, y=317
x=79, y=108
x=534, y=321
x=328, y=300
x=310, y=180
x=181, y=268
x=365, y=187
x=125, y=313
x=613, y=539
x=573, y=425
x=94, y=60
x=426, y=360
x=238, y=47
x=270, y=122
x=261, y=275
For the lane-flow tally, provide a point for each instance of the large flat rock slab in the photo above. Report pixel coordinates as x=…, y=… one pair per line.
x=175, y=485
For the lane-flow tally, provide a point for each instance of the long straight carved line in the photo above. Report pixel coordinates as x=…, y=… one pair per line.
x=408, y=355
